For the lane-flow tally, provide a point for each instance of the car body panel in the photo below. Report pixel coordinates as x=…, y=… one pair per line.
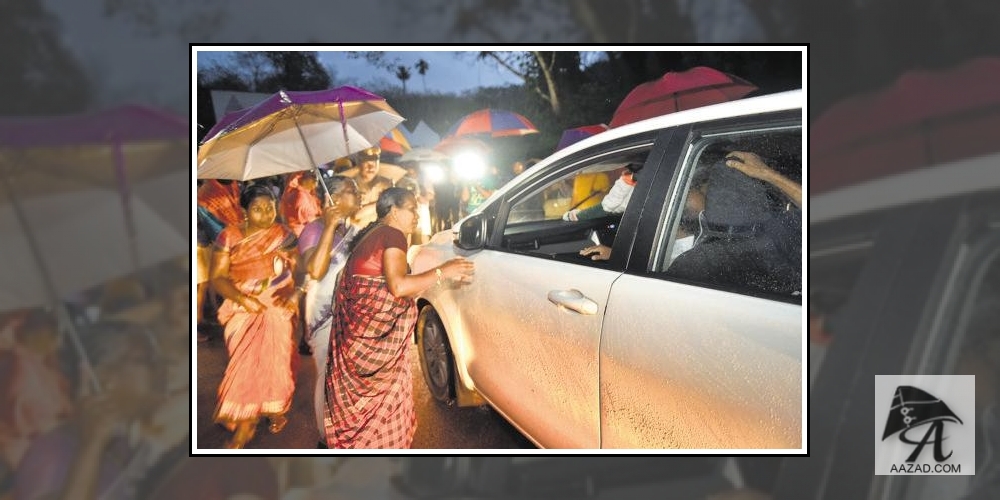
x=689, y=367
x=573, y=380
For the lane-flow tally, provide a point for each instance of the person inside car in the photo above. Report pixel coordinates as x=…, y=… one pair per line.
x=693, y=206
x=740, y=230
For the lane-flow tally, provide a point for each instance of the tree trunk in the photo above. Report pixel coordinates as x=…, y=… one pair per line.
x=549, y=81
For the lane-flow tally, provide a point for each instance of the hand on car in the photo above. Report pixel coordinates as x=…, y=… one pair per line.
x=597, y=252
x=458, y=268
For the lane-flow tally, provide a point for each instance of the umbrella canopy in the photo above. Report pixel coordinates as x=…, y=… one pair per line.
x=395, y=142
x=924, y=118
x=574, y=135
x=494, y=122
x=423, y=155
x=97, y=153
x=82, y=240
x=107, y=149
x=677, y=91
x=294, y=131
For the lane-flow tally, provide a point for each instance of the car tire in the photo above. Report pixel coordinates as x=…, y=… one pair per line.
x=436, y=360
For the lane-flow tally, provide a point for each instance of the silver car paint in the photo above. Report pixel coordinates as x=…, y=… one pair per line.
x=688, y=367
x=528, y=357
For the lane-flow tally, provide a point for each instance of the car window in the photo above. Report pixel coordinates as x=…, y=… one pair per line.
x=579, y=206
x=738, y=230
x=972, y=348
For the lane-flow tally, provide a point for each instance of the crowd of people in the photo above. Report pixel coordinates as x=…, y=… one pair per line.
x=330, y=261
x=95, y=390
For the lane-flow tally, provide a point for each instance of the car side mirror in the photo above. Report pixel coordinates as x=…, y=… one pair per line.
x=472, y=233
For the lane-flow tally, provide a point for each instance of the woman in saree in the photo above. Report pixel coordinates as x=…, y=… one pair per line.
x=252, y=269
x=323, y=248
x=369, y=385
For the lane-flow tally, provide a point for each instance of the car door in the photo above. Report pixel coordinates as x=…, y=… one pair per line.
x=913, y=309
x=533, y=340
x=695, y=361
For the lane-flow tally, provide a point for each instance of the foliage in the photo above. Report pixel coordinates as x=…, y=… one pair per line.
x=40, y=75
x=403, y=73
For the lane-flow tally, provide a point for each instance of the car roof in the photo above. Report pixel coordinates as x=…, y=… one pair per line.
x=940, y=181
x=791, y=99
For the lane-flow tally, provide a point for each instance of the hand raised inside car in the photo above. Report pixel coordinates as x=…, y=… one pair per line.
x=750, y=164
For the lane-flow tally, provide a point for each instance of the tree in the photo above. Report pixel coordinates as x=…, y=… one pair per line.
x=422, y=67
x=294, y=71
x=39, y=76
x=536, y=68
x=403, y=73
x=257, y=65
x=185, y=19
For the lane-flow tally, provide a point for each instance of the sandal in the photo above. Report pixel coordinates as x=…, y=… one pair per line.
x=278, y=423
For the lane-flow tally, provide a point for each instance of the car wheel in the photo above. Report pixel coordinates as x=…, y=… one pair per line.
x=436, y=360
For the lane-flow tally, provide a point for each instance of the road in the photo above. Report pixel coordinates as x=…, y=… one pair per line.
x=438, y=427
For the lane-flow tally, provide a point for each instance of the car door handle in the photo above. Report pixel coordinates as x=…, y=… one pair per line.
x=573, y=299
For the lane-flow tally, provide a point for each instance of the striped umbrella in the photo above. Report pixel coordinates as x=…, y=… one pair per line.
x=573, y=135
x=395, y=142
x=495, y=122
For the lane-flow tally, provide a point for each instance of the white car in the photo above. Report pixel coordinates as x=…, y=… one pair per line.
x=647, y=349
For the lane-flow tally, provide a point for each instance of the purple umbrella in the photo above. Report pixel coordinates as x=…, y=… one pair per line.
x=574, y=135
x=294, y=131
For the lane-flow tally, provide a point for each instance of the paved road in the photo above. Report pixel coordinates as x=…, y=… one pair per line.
x=437, y=426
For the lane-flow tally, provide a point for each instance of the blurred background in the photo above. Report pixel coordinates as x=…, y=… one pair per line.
x=107, y=63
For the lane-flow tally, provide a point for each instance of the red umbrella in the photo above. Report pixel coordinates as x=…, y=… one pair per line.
x=677, y=91
x=495, y=122
x=574, y=135
x=924, y=118
x=394, y=142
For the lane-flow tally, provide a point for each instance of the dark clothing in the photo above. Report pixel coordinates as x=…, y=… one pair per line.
x=762, y=257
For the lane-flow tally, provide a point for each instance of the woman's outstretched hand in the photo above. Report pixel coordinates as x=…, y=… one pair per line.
x=458, y=268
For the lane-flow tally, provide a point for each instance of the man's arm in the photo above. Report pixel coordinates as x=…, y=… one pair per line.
x=753, y=166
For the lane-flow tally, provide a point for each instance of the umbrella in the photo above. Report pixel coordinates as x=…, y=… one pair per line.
x=395, y=142
x=677, y=91
x=578, y=134
x=423, y=155
x=63, y=227
x=294, y=131
x=107, y=150
x=454, y=145
x=924, y=118
x=495, y=122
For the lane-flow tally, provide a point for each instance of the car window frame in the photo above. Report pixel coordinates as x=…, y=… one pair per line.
x=670, y=184
x=499, y=212
x=874, y=322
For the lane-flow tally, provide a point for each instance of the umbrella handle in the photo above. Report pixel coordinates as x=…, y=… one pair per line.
x=319, y=177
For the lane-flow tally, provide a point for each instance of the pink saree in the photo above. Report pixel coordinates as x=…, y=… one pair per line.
x=258, y=379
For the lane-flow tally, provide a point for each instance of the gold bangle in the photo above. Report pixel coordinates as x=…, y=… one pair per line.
x=437, y=271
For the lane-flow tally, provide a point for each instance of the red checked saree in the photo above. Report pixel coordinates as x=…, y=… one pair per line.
x=369, y=388
x=258, y=379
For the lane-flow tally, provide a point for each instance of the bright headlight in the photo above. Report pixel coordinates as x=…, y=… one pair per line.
x=469, y=166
